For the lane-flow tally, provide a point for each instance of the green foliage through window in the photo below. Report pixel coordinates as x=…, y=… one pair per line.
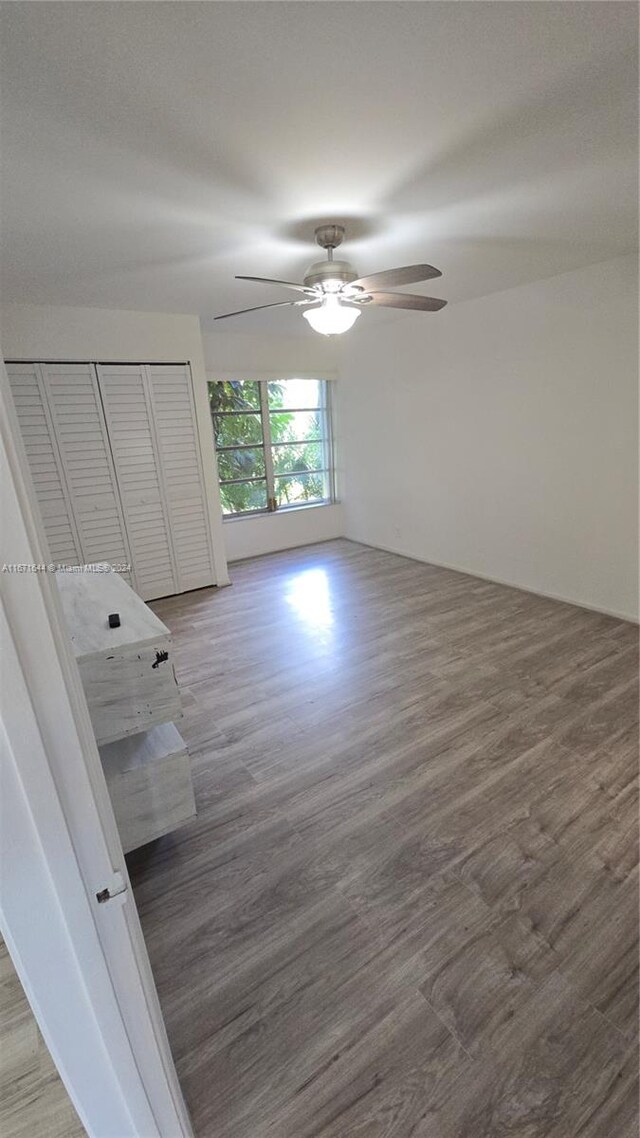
x=272, y=441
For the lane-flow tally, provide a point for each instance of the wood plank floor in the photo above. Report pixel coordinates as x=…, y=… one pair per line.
x=33, y=1099
x=408, y=905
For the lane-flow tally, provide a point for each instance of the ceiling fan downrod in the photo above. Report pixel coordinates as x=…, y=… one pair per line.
x=330, y=274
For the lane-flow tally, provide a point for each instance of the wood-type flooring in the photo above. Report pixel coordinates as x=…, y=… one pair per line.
x=408, y=907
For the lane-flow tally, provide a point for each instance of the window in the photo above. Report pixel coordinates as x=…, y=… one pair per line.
x=273, y=439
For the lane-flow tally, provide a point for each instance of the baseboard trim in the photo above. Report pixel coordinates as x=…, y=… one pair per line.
x=629, y=618
x=292, y=548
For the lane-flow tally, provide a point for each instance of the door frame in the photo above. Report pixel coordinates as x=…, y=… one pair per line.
x=83, y=965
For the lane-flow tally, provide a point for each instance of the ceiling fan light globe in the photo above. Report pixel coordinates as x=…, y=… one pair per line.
x=332, y=318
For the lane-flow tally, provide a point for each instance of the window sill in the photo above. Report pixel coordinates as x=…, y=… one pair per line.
x=251, y=515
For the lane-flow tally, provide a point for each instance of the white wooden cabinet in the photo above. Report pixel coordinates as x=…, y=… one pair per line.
x=132, y=693
x=127, y=672
x=115, y=458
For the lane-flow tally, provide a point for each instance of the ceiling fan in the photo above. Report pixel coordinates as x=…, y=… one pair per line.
x=335, y=295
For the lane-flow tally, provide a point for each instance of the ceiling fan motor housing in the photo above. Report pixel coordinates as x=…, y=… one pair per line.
x=321, y=271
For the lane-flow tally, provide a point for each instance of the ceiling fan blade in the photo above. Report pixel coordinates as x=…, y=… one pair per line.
x=405, y=300
x=284, y=284
x=408, y=274
x=278, y=304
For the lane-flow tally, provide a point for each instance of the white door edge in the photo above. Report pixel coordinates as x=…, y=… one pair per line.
x=84, y=965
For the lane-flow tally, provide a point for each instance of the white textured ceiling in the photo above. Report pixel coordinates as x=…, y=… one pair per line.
x=152, y=150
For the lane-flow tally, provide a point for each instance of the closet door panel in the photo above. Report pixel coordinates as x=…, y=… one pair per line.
x=115, y=458
x=47, y=472
x=176, y=432
x=133, y=444
x=81, y=436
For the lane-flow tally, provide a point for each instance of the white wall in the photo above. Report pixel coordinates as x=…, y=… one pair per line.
x=44, y=332
x=267, y=533
x=244, y=356
x=500, y=436
x=47, y=332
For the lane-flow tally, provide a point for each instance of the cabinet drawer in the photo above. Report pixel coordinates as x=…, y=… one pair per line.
x=149, y=781
x=129, y=690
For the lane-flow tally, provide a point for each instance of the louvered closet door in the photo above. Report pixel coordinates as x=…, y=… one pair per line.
x=27, y=385
x=81, y=437
x=179, y=448
x=127, y=409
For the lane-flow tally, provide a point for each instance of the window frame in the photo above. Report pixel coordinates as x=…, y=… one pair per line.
x=267, y=445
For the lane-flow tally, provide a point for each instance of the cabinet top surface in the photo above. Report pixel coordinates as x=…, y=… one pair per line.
x=88, y=597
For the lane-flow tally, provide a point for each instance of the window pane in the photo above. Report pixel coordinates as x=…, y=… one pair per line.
x=295, y=426
x=234, y=395
x=288, y=458
x=238, y=497
x=299, y=427
x=293, y=393
x=241, y=463
x=233, y=430
x=299, y=488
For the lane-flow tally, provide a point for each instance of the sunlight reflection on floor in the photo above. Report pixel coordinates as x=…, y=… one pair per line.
x=309, y=595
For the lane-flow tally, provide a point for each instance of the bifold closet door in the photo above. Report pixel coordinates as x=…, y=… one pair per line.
x=127, y=407
x=32, y=407
x=81, y=436
x=61, y=419
x=115, y=457
x=171, y=397
x=154, y=439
